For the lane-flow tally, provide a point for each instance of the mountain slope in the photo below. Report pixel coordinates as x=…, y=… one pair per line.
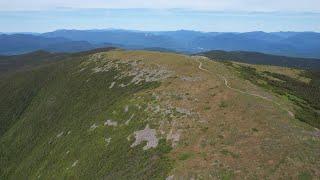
x=265, y=59
x=24, y=43
x=59, y=122
x=10, y=64
x=150, y=115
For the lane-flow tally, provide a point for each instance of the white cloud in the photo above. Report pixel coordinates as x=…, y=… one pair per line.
x=215, y=5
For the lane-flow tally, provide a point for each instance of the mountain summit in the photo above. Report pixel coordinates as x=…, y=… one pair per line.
x=116, y=114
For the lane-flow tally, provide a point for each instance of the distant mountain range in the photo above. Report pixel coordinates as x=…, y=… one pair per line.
x=298, y=44
x=24, y=43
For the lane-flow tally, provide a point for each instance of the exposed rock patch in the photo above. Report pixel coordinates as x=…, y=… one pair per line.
x=60, y=134
x=169, y=110
x=111, y=85
x=108, y=140
x=126, y=109
x=317, y=133
x=93, y=127
x=174, y=137
x=183, y=111
x=170, y=177
x=128, y=121
x=135, y=69
x=122, y=85
x=190, y=79
x=100, y=69
x=111, y=123
x=148, y=135
x=149, y=75
x=75, y=163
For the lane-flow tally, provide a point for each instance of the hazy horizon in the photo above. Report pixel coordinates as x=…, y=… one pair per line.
x=157, y=20
x=151, y=31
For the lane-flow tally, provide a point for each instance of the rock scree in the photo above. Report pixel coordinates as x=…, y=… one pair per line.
x=148, y=135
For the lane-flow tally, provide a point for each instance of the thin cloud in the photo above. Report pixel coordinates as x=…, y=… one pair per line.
x=215, y=5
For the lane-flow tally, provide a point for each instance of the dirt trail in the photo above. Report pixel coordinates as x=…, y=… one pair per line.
x=240, y=91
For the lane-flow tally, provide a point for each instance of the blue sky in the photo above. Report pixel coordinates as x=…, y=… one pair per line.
x=201, y=15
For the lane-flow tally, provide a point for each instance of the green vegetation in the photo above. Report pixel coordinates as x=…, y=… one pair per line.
x=226, y=174
x=128, y=115
x=232, y=154
x=52, y=125
x=207, y=108
x=263, y=59
x=10, y=64
x=305, y=95
x=223, y=104
x=304, y=176
x=185, y=156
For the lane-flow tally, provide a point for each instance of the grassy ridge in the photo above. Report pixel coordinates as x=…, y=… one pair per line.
x=305, y=95
x=56, y=115
x=49, y=136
